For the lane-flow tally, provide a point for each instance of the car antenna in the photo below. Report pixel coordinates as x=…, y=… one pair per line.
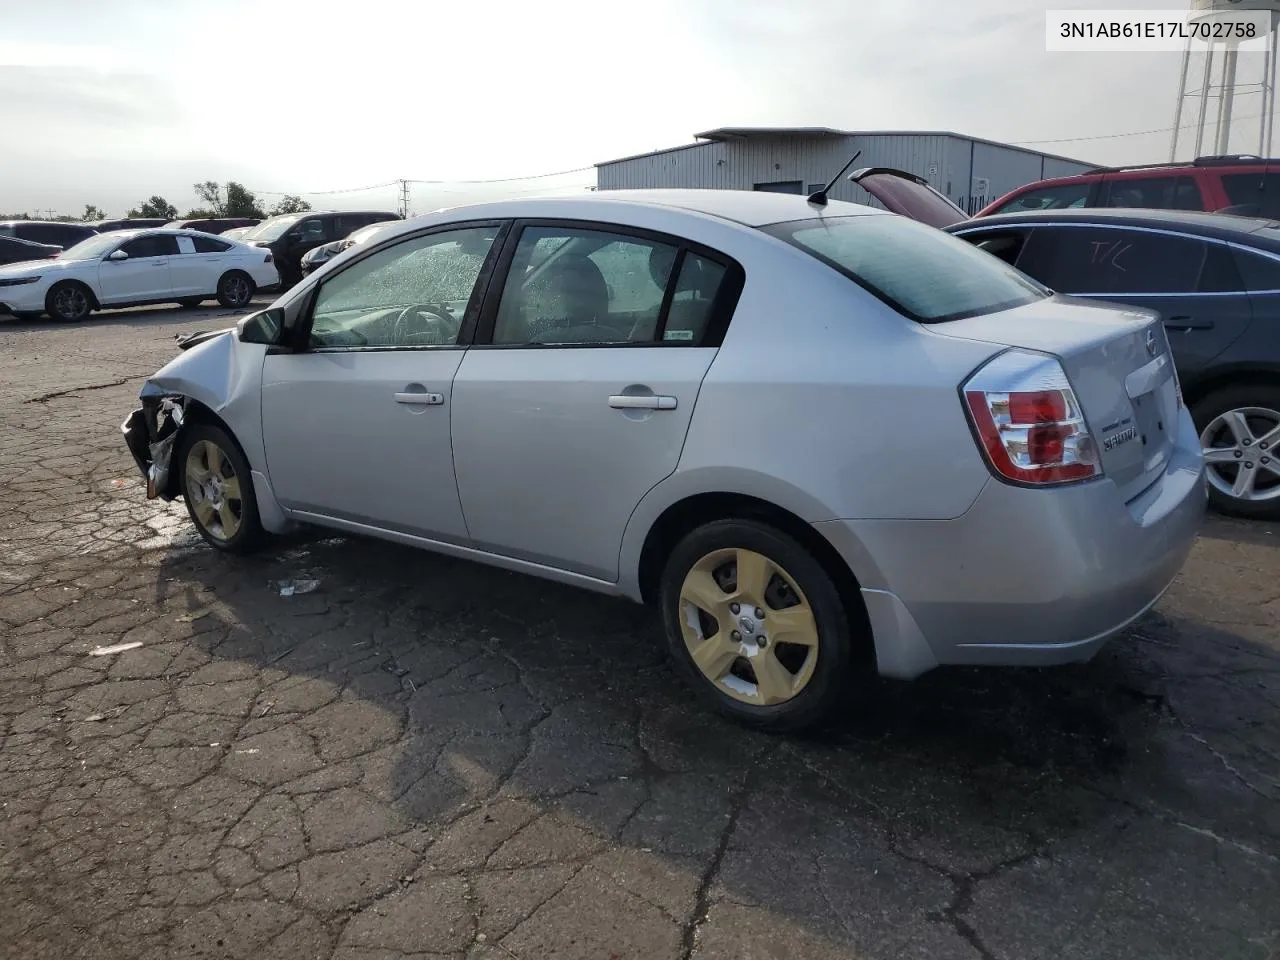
x=819, y=197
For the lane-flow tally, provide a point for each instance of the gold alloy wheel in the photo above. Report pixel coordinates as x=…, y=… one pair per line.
x=213, y=489
x=748, y=627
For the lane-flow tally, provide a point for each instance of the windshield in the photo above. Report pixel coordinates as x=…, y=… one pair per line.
x=93, y=248
x=269, y=229
x=928, y=275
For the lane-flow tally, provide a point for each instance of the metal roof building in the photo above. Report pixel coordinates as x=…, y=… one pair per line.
x=969, y=170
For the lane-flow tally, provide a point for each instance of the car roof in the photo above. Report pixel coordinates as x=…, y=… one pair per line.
x=162, y=231
x=747, y=207
x=1189, y=220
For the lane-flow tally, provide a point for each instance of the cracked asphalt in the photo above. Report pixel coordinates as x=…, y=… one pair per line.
x=426, y=758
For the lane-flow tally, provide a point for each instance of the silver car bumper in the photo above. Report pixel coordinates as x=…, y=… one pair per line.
x=1025, y=577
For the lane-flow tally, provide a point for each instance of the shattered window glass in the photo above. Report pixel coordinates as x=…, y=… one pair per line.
x=414, y=293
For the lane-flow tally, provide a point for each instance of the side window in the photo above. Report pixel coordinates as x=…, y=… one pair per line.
x=1089, y=260
x=210, y=245
x=156, y=245
x=415, y=293
x=570, y=285
x=1258, y=191
x=1007, y=246
x=313, y=231
x=1259, y=273
x=185, y=245
x=1050, y=198
x=694, y=301
x=1220, y=273
x=1158, y=193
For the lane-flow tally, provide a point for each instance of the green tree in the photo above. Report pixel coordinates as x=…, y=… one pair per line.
x=241, y=202
x=235, y=201
x=199, y=213
x=93, y=213
x=290, y=204
x=211, y=193
x=155, y=207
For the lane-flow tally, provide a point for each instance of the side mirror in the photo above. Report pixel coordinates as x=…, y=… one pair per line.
x=265, y=327
x=117, y=255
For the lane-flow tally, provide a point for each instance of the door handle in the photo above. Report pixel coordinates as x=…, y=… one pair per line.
x=1188, y=323
x=628, y=402
x=421, y=399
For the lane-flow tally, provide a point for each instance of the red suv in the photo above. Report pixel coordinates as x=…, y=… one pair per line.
x=1242, y=185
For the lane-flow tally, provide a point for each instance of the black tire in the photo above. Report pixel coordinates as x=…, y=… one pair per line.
x=1255, y=397
x=235, y=289
x=69, y=301
x=248, y=534
x=833, y=674
x=190, y=303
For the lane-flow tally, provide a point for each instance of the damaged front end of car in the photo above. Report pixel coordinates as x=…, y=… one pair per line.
x=151, y=433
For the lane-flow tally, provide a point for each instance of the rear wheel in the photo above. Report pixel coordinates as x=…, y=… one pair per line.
x=757, y=625
x=69, y=301
x=235, y=289
x=218, y=490
x=1240, y=435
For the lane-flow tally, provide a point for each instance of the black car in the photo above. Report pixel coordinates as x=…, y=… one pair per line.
x=290, y=236
x=214, y=224
x=13, y=250
x=128, y=223
x=47, y=231
x=1213, y=277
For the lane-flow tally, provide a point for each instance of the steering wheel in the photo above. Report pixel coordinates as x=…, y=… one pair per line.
x=431, y=319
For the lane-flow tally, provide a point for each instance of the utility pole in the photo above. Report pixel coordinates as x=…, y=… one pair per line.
x=49, y=211
x=404, y=198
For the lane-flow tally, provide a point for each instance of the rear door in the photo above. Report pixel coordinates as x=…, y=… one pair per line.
x=577, y=396
x=1190, y=281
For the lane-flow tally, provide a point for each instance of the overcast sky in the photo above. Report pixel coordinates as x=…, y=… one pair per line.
x=108, y=103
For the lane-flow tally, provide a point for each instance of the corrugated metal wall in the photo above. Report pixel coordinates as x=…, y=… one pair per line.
x=970, y=172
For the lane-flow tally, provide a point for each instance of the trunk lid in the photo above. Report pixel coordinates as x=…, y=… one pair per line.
x=1119, y=365
x=911, y=196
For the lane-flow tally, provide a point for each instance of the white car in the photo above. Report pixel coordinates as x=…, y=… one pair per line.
x=128, y=268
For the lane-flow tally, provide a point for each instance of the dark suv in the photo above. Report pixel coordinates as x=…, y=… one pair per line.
x=214, y=225
x=291, y=235
x=47, y=231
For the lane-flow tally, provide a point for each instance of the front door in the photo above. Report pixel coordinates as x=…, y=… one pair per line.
x=143, y=275
x=356, y=427
x=577, y=397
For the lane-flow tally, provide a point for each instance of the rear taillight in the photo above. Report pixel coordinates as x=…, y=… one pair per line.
x=1028, y=421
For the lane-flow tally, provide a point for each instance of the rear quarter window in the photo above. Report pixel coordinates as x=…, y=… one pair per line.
x=923, y=273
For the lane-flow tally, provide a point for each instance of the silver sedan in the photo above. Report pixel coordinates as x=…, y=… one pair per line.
x=818, y=438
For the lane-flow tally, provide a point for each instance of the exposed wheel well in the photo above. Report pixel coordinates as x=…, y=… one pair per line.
x=681, y=518
x=193, y=411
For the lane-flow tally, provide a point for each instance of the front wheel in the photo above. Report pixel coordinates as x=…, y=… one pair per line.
x=1240, y=435
x=235, y=290
x=757, y=625
x=69, y=302
x=218, y=490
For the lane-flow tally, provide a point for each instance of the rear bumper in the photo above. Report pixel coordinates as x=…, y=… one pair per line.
x=1025, y=577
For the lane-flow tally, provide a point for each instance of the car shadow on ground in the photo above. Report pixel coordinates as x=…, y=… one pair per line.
x=529, y=733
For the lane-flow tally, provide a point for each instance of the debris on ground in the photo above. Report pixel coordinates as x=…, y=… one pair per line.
x=193, y=616
x=290, y=587
x=115, y=648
